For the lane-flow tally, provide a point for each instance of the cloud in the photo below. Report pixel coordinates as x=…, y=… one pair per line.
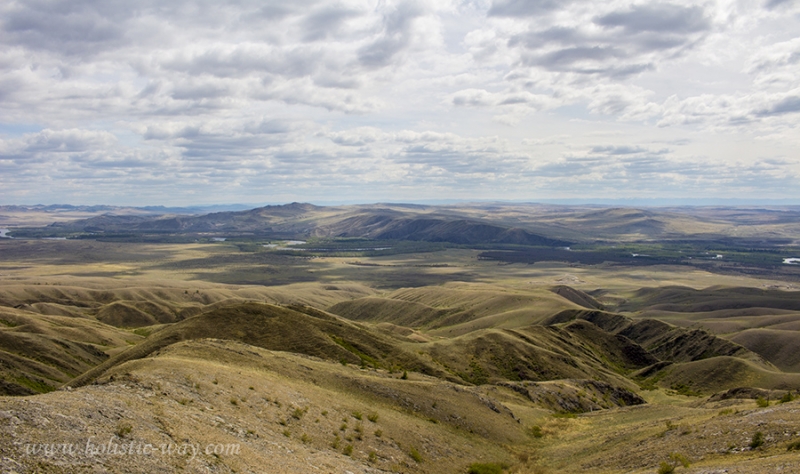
x=439, y=99
x=72, y=28
x=524, y=8
x=665, y=18
x=395, y=35
x=616, y=44
x=787, y=105
x=625, y=150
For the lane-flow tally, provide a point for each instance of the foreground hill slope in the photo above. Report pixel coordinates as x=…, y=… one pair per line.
x=234, y=407
x=298, y=329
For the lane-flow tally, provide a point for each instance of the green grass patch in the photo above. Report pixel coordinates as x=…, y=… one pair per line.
x=35, y=385
x=415, y=455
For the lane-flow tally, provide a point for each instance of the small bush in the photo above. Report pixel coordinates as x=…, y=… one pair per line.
x=378, y=433
x=123, y=429
x=348, y=450
x=762, y=402
x=373, y=456
x=298, y=413
x=757, y=441
x=536, y=431
x=305, y=438
x=373, y=417
x=793, y=446
x=787, y=398
x=357, y=415
x=405, y=375
x=678, y=458
x=415, y=455
x=287, y=433
x=666, y=468
x=486, y=468
x=674, y=460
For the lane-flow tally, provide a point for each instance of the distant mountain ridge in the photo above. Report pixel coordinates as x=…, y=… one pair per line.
x=304, y=220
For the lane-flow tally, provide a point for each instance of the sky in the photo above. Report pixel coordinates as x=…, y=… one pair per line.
x=209, y=102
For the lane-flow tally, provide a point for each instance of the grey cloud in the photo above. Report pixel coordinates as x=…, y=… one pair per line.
x=568, y=168
x=73, y=28
x=566, y=57
x=66, y=141
x=770, y=4
x=788, y=105
x=628, y=42
x=522, y=8
x=326, y=22
x=661, y=18
x=199, y=91
x=395, y=37
x=625, y=150
x=640, y=171
x=557, y=34
x=244, y=59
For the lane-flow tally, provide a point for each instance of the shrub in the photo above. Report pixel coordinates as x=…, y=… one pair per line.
x=372, y=456
x=666, y=468
x=757, y=441
x=373, y=417
x=486, y=468
x=762, y=402
x=674, y=460
x=793, y=446
x=536, y=431
x=357, y=415
x=678, y=458
x=348, y=450
x=787, y=398
x=123, y=429
x=415, y=455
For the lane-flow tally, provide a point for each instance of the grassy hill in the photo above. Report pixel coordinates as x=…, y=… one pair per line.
x=333, y=356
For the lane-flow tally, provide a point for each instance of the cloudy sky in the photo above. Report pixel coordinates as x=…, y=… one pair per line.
x=261, y=101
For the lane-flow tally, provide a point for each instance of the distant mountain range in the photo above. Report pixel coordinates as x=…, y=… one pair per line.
x=489, y=223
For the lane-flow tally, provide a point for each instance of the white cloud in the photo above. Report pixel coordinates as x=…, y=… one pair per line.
x=400, y=98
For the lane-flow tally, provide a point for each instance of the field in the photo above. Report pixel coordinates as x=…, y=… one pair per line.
x=433, y=340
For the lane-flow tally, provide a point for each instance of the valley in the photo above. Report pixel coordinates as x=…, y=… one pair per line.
x=391, y=338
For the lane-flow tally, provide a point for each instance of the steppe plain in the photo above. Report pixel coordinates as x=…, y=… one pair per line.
x=390, y=338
